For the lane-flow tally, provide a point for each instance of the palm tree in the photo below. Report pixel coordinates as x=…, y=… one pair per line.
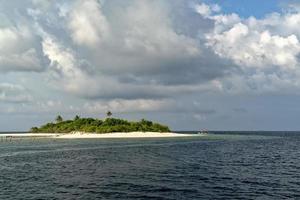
x=34, y=129
x=109, y=114
x=58, y=119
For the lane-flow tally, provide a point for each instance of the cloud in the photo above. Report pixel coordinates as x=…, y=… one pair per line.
x=207, y=10
x=255, y=48
x=87, y=24
x=12, y=93
x=65, y=69
x=117, y=106
x=120, y=106
x=71, y=74
x=141, y=56
x=266, y=50
x=18, y=51
x=240, y=110
x=138, y=49
x=113, y=49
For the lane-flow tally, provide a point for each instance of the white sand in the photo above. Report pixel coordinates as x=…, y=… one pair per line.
x=79, y=135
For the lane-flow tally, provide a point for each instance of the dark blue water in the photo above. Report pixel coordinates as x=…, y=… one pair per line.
x=209, y=167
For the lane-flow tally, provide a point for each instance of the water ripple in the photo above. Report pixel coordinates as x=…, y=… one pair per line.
x=213, y=167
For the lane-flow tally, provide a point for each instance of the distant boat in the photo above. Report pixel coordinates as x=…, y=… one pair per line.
x=203, y=132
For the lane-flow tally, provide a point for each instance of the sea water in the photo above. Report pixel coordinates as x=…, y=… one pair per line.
x=215, y=166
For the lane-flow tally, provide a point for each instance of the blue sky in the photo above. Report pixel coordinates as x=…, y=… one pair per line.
x=219, y=65
x=247, y=8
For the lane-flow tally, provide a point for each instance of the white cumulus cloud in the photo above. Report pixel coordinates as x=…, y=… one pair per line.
x=266, y=50
x=87, y=23
x=18, y=51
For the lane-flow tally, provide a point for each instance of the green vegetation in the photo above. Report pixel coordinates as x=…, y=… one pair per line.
x=91, y=125
x=109, y=114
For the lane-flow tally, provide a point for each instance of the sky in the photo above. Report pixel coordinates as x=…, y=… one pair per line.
x=246, y=8
x=191, y=64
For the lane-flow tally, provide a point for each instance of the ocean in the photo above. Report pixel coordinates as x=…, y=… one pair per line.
x=249, y=165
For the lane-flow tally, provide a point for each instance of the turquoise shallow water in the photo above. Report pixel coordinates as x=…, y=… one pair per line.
x=210, y=167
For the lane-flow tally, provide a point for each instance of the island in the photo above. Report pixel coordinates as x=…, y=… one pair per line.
x=91, y=125
x=88, y=128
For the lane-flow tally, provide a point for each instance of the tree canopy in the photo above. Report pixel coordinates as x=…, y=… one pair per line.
x=107, y=125
x=76, y=117
x=109, y=114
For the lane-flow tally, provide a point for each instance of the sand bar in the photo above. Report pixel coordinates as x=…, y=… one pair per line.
x=81, y=135
x=124, y=135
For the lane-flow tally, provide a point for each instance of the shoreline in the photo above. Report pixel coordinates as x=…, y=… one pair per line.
x=29, y=135
x=123, y=135
x=81, y=135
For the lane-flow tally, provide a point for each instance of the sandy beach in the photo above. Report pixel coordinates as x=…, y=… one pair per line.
x=123, y=135
x=81, y=135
